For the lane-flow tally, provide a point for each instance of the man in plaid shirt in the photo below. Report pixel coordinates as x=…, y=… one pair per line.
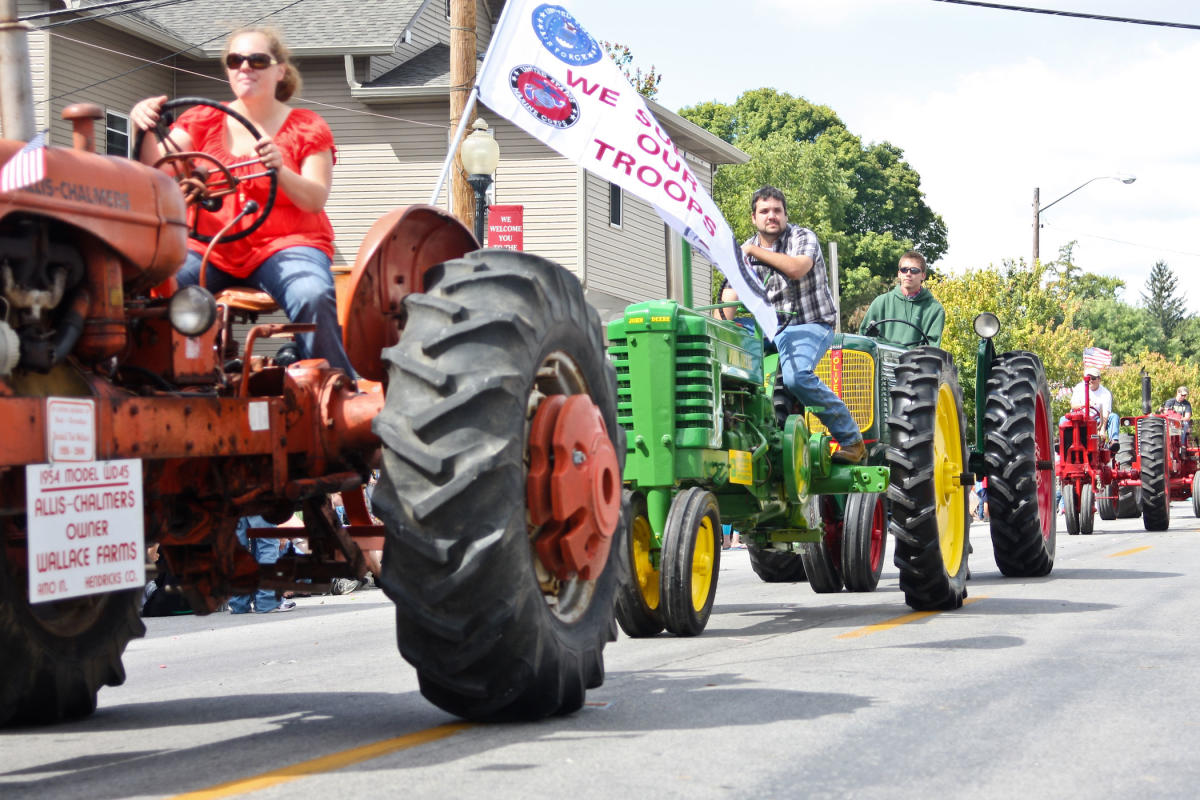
x=789, y=262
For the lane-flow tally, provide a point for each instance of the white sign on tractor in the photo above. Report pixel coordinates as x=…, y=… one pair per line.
x=85, y=524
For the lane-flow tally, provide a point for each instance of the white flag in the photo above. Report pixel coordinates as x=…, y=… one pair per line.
x=546, y=74
x=27, y=167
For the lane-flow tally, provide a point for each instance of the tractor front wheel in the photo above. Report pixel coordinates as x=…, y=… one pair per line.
x=639, y=601
x=864, y=541
x=1087, y=509
x=1156, y=488
x=1196, y=494
x=57, y=655
x=501, y=488
x=1071, y=509
x=929, y=480
x=1106, y=503
x=1020, y=464
x=691, y=561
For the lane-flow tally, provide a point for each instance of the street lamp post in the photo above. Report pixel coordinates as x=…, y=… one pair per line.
x=480, y=155
x=1038, y=208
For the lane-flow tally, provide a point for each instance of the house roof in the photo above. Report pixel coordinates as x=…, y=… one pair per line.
x=429, y=68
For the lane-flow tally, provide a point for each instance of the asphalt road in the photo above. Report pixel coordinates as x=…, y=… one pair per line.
x=1080, y=684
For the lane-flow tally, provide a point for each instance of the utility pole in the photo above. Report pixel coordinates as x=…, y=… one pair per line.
x=462, y=80
x=1037, y=224
x=16, y=86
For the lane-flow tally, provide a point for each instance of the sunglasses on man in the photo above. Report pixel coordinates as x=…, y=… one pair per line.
x=255, y=60
x=910, y=270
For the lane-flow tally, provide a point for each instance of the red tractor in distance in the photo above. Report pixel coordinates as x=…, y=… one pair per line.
x=1165, y=463
x=1086, y=463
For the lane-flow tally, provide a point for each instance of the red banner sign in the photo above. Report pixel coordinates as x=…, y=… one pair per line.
x=506, y=227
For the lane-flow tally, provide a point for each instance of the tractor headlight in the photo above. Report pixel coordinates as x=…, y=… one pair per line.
x=987, y=325
x=192, y=311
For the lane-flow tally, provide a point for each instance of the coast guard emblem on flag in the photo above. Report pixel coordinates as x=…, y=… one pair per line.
x=27, y=167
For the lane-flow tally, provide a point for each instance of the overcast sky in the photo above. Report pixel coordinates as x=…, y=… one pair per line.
x=986, y=104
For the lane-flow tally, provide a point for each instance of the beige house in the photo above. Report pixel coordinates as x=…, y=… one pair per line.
x=378, y=72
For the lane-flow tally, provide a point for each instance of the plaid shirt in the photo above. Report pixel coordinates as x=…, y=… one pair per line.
x=807, y=299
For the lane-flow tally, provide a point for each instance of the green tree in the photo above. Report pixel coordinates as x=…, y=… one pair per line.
x=874, y=207
x=644, y=83
x=1167, y=309
x=1029, y=313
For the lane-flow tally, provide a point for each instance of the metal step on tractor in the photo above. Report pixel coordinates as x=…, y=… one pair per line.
x=137, y=417
x=711, y=440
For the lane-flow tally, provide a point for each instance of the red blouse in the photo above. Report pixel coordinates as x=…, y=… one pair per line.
x=302, y=134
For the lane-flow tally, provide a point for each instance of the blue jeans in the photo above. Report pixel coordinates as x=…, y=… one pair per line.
x=266, y=551
x=800, y=348
x=299, y=280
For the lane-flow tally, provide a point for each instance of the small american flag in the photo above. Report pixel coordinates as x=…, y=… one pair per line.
x=27, y=167
x=1096, y=357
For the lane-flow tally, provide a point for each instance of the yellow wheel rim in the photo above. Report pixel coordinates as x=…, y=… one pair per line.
x=703, y=555
x=948, y=468
x=644, y=573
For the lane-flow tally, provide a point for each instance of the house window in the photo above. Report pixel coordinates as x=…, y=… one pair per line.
x=614, y=205
x=116, y=134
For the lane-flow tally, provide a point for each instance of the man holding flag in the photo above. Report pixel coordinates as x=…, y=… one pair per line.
x=788, y=260
x=545, y=73
x=1097, y=396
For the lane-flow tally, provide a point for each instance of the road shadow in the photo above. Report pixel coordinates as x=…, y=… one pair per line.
x=304, y=725
x=1079, y=573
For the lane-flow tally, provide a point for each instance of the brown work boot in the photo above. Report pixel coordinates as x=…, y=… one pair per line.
x=852, y=453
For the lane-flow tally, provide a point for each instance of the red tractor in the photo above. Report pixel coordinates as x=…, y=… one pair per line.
x=1086, y=468
x=138, y=416
x=1164, y=463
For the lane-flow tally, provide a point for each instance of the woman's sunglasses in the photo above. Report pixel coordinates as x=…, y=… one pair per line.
x=910, y=270
x=255, y=60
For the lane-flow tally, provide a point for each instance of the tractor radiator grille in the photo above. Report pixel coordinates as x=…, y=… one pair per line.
x=694, y=396
x=618, y=353
x=856, y=387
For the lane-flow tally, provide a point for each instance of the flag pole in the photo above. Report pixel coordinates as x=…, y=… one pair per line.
x=458, y=135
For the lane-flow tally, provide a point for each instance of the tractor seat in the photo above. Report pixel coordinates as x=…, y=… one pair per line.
x=251, y=301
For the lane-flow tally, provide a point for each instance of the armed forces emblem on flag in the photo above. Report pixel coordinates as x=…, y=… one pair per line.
x=545, y=98
x=564, y=37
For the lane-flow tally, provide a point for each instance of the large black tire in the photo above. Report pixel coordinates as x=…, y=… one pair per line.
x=1087, y=509
x=1156, y=491
x=1129, y=498
x=56, y=656
x=776, y=563
x=929, y=486
x=864, y=541
x=1018, y=448
x=639, y=600
x=691, y=561
x=492, y=633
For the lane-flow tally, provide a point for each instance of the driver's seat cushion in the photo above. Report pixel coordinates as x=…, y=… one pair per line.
x=243, y=298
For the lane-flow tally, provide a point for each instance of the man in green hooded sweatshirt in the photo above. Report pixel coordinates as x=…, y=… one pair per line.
x=909, y=301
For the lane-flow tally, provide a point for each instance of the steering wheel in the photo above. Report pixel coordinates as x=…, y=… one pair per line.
x=874, y=326
x=203, y=179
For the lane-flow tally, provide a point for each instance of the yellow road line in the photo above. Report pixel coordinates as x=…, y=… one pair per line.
x=328, y=763
x=1130, y=552
x=898, y=621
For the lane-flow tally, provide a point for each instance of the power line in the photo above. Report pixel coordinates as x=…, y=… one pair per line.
x=119, y=13
x=1075, y=14
x=164, y=58
x=1122, y=241
x=150, y=62
x=81, y=9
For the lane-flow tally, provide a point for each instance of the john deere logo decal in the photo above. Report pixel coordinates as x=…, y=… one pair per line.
x=564, y=37
x=543, y=97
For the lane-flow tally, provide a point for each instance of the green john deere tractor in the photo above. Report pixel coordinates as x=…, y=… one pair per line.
x=712, y=438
